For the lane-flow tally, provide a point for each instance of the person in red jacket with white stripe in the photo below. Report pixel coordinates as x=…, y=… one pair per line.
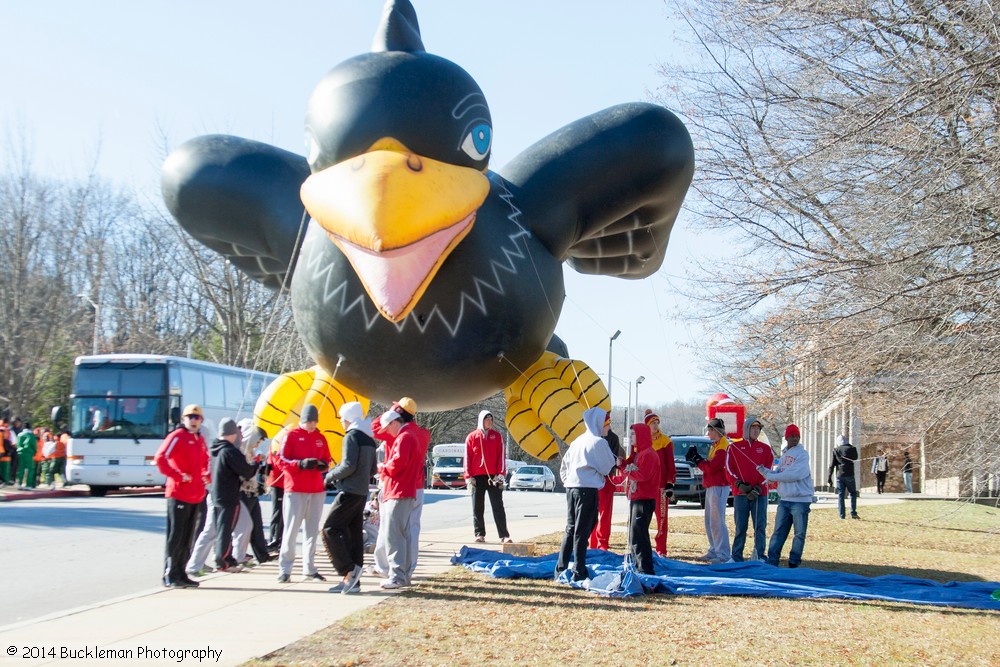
x=485, y=469
x=642, y=486
x=183, y=458
x=402, y=489
x=748, y=487
x=664, y=448
x=304, y=458
x=275, y=480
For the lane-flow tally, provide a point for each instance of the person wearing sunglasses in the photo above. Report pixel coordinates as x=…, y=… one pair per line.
x=183, y=458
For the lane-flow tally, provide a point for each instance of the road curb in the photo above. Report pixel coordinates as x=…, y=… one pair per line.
x=19, y=494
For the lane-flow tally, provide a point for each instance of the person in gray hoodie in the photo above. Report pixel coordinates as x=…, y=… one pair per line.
x=229, y=470
x=343, y=531
x=584, y=466
x=795, y=487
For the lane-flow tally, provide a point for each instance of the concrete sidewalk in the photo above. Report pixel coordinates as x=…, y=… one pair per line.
x=245, y=615
x=235, y=616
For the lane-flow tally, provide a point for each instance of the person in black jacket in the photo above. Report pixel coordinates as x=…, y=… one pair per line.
x=845, y=455
x=343, y=531
x=229, y=470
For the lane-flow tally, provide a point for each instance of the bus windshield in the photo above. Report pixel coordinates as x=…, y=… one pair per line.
x=119, y=401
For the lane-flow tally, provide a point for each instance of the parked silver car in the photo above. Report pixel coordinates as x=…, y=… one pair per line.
x=538, y=478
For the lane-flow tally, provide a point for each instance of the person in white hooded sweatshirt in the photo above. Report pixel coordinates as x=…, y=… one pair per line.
x=795, y=487
x=584, y=466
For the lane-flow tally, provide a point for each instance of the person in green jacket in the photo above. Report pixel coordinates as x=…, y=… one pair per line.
x=27, y=447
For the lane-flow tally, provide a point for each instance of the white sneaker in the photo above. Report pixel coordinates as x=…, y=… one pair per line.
x=390, y=584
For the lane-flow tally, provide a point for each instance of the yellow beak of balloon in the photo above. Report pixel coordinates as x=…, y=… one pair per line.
x=396, y=216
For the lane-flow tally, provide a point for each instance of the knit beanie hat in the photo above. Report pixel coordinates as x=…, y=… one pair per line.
x=792, y=430
x=310, y=413
x=650, y=416
x=228, y=427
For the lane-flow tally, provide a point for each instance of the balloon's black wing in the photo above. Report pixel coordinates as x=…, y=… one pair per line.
x=241, y=199
x=604, y=191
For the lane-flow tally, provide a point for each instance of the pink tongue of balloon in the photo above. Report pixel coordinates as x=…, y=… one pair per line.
x=393, y=277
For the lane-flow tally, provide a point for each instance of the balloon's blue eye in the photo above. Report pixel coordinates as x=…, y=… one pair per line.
x=477, y=143
x=312, y=148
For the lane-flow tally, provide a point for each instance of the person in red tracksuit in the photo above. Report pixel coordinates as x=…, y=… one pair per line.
x=601, y=534
x=275, y=480
x=183, y=458
x=485, y=465
x=303, y=458
x=664, y=448
x=402, y=477
x=642, y=486
x=748, y=488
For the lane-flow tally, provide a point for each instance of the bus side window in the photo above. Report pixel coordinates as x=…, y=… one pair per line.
x=235, y=389
x=193, y=391
x=215, y=393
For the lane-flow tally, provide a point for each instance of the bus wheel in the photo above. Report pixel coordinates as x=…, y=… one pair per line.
x=99, y=491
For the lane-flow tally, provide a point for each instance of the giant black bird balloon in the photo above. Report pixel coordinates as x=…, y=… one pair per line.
x=416, y=270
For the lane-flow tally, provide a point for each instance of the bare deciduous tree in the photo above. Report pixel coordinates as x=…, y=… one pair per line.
x=852, y=148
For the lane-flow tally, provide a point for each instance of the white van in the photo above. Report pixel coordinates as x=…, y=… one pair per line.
x=448, y=471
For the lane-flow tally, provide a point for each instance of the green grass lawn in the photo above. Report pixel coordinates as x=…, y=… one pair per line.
x=460, y=618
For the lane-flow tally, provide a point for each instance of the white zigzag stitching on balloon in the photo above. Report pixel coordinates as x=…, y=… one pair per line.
x=312, y=262
x=510, y=253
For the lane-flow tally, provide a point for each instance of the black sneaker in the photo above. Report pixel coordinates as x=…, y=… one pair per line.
x=315, y=576
x=190, y=582
x=283, y=578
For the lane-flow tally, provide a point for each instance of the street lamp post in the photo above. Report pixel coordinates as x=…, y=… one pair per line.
x=628, y=408
x=97, y=319
x=611, y=344
x=639, y=380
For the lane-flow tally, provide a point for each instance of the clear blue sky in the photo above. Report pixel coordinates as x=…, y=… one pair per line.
x=109, y=83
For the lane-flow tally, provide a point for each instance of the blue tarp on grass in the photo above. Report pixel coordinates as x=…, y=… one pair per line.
x=748, y=578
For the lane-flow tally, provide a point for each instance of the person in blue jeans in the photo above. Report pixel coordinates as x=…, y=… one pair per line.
x=844, y=461
x=795, y=488
x=749, y=488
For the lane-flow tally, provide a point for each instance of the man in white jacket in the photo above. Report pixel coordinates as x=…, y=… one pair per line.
x=795, y=487
x=584, y=466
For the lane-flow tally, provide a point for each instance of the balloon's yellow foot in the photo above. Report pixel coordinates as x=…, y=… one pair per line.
x=279, y=407
x=546, y=403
